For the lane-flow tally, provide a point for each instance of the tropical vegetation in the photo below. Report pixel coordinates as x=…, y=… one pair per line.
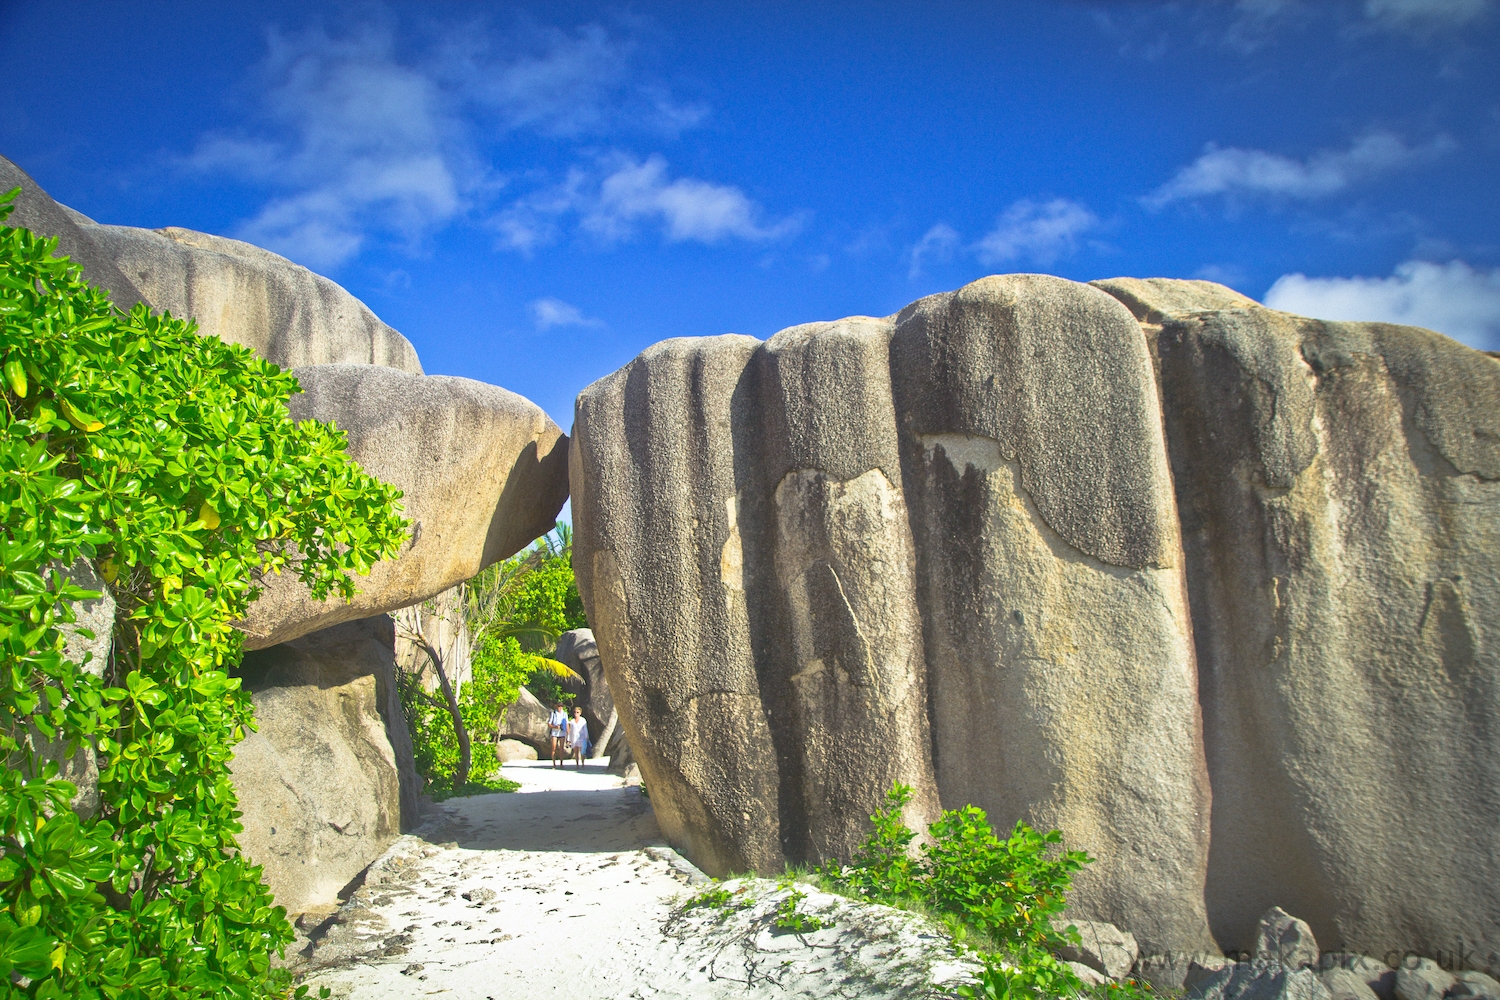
x=999, y=896
x=168, y=463
x=514, y=612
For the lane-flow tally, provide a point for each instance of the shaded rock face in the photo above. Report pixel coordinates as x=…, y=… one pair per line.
x=526, y=720
x=1008, y=550
x=884, y=550
x=245, y=295
x=35, y=210
x=1339, y=485
x=483, y=470
x=328, y=779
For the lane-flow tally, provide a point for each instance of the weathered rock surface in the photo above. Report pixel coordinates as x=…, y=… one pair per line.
x=1102, y=947
x=35, y=210
x=790, y=550
x=1422, y=979
x=509, y=750
x=1166, y=973
x=1378, y=977
x=483, y=470
x=325, y=782
x=1284, y=939
x=1473, y=985
x=1007, y=550
x=1345, y=984
x=1339, y=487
x=526, y=720
x=245, y=295
x=1258, y=981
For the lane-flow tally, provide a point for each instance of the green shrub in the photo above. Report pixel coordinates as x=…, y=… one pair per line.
x=1002, y=894
x=169, y=461
x=497, y=668
x=547, y=687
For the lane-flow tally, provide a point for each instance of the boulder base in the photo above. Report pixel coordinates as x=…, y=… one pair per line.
x=326, y=781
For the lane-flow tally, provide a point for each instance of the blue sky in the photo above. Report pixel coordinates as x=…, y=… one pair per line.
x=534, y=193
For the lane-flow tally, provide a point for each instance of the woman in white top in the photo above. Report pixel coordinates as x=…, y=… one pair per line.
x=578, y=736
x=557, y=725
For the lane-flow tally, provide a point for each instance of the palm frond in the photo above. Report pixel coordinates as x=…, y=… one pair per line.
x=562, y=670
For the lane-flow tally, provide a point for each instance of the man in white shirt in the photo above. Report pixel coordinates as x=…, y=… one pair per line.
x=556, y=728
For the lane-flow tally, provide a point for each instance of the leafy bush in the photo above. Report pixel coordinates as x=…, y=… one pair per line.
x=514, y=610
x=498, y=668
x=1002, y=893
x=547, y=687
x=170, y=462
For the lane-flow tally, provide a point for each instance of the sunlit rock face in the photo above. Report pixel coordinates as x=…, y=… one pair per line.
x=482, y=471
x=327, y=779
x=245, y=295
x=1339, y=485
x=1209, y=587
x=939, y=548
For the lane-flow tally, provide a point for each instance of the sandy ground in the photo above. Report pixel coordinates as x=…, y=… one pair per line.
x=566, y=889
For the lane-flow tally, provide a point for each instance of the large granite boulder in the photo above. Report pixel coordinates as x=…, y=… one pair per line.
x=1339, y=486
x=939, y=548
x=1090, y=557
x=35, y=210
x=327, y=781
x=483, y=470
x=245, y=295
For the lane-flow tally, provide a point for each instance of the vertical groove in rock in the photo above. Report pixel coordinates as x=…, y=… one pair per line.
x=1059, y=649
x=1341, y=523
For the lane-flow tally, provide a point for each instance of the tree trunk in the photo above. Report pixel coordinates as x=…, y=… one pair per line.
x=461, y=778
x=450, y=698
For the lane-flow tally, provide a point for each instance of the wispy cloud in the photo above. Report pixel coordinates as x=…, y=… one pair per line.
x=548, y=313
x=1424, y=15
x=1151, y=28
x=620, y=194
x=686, y=208
x=1040, y=232
x=1452, y=298
x=1239, y=172
x=356, y=135
x=937, y=244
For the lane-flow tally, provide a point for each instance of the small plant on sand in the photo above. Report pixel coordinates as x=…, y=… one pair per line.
x=721, y=899
x=715, y=897
x=791, y=919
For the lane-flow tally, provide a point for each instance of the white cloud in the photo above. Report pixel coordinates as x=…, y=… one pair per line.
x=356, y=135
x=619, y=194
x=1237, y=171
x=1037, y=231
x=550, y=312
x=1452, y=298
x=686, y=208
x=938, y=244
x=563, y=84
x=1424, y=15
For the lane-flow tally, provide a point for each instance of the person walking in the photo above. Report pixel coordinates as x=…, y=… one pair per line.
x=578, y=736
x=557, y=725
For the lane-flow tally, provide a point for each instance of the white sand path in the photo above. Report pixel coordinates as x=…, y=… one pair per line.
x=566, y=889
